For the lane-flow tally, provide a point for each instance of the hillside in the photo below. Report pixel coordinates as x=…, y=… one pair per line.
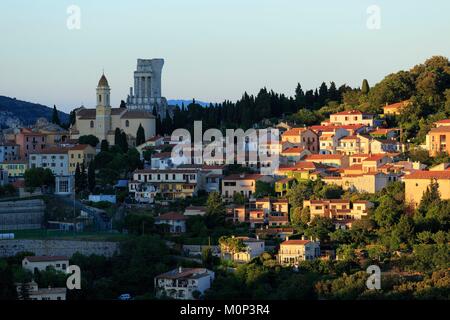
x=17, y=112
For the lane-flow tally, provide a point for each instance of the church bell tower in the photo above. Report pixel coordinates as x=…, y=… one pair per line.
x=103, y=109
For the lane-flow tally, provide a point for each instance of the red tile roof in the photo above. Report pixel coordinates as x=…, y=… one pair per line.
x=171, y=216
x=397, y=105
x=348, y=112
x=295, y=242
x=324, y=157
x=45, y=258
x=423, y=174
x=294, y=131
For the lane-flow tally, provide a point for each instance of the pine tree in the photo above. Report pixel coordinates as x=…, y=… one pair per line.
x=91, y=176
x=140, y=135
x=430, y=196
x=122, y=104
x=299, y=96
x=365, y=87
x=55, y=116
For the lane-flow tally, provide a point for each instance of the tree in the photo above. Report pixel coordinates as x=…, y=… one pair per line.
x=215, y=210
x=365, y=87
x=38, y=177
x=231, y=245
x=55, y=116
x=264, y=189
x=104, y=146
x=117, y=137
x=77, y=178
x=430, y=196
x=91, y=176
x=123, y=142
x=88, y=139
x=122, y=104
x=140, y=135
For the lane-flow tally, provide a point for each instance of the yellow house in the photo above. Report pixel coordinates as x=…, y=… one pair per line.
x=417, y=183
x=79, y=154
x=15, y=168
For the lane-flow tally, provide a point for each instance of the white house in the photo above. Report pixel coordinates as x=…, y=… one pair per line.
x=184, y=283
x=176, y=222
x=41, y=263
x=291, y=252
x=44, y=294
x=55, y=159
x=253, y=248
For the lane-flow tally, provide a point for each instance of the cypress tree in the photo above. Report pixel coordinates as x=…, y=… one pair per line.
x=104, y=146
x=91, y=176
x=117, y=135
x=365, y=88
x=55, y=116
x=78, y=177
x=140, y=135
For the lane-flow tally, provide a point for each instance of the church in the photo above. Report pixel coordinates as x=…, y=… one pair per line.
x=103, y=120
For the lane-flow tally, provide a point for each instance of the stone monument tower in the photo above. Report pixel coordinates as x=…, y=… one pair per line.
x=147, y=87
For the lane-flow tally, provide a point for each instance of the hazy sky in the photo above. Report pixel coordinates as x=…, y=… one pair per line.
x=213, y=49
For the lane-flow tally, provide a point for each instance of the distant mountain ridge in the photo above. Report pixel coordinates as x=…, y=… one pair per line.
x=14, y=112
x=179, y=102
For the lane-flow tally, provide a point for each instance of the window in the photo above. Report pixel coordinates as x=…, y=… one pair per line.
x=127, y=123
x=92, y=124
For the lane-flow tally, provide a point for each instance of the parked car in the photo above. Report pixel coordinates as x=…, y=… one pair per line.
x=125, y=296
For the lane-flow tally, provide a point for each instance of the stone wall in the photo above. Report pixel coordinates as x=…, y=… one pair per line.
x=10, y=248
x=21, y=215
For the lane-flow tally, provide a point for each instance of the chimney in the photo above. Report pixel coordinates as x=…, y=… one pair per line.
x=180, y=269
x=303, y=237
x=287, y=238
x=257, y=237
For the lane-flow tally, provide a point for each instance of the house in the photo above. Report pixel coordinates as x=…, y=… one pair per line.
x=338, y=210
x=244, y=184
x=354, y=144
x=292, y=252
x=294, y=154
x=41, y=263
x=55, y=159
x=237, y=213
x=436, y=140
x=169, y=183
x=9, y=151
x=386, y=146
x=4, y=179
x=161, y=160
x=442, y=123
x=79, y=154
x=283, y=186
x=195, y=211
x=253, y=248
x=385, y=133
x=29, y=141
x=273, y=208
x=417, y=183
x=365, y=182
x=333, y=160
x=184, y=283
x=352, y=117
x=176, y=222
x=150, y=143
x=274, y=233
x=15, y=168
x=395, y=108
x=43, y=294
x=256, y=218
x=302, y=137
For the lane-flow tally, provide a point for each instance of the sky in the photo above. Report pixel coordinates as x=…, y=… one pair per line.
x=213, y=49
